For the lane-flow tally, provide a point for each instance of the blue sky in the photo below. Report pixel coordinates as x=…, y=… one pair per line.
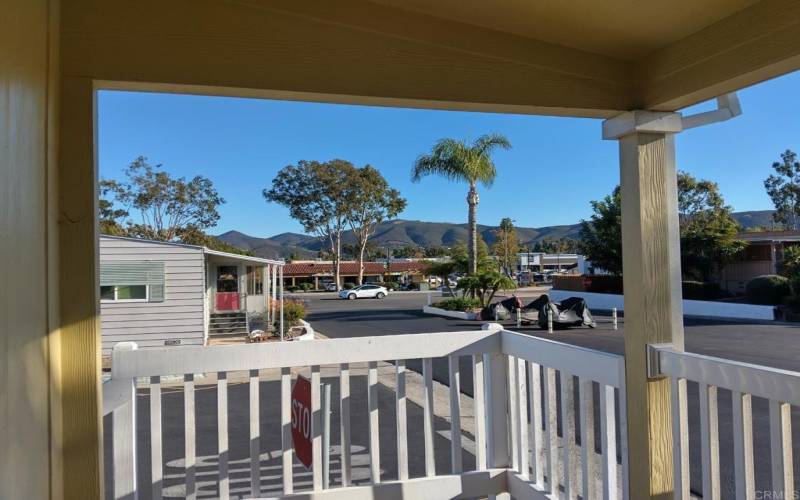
x=557, y=165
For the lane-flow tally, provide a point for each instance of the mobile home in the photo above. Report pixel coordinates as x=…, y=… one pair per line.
x=159, y=293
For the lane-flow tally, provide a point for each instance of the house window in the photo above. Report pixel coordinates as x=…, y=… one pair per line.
x=132, y=281
x=255, y=280
x=124, y=292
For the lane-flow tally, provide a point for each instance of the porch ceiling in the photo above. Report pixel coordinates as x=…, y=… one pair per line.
x=624, y=29
x=581, y=58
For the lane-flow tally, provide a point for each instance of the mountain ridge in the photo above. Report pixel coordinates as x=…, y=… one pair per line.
x=401, y=232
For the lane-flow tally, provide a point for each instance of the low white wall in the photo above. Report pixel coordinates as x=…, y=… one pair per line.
x=448, y=314
x=690, y=307
x=309, y=335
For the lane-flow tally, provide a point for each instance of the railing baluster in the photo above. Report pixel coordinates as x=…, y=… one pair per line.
x=222, y=434
x=522, y=412
x=743, y=445
x=287, y=449
x=567, y=433
x=123, y=417
x=374, y=431
x=587, y=438
x=316, y=429
x=513, y=412
x=344, y=421
x=456, y=459
x=623, y=435
x=609, y=441
x=479, y=401
x=402, y=425
x=709, y=441
x=189, y=439
x=255, y=435
x=535, y=434
x=427, y=376
x=551, y=429
x=156, y=449
x=680, y=438
x=780, y=433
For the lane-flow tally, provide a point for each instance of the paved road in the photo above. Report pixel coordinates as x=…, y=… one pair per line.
x=770, y=344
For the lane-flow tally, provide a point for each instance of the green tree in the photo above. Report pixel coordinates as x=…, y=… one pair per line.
x=317, y=196
x=506, y=247
x=791, y=266
x=601, y=235
x=436, y=251
x=471, y=163
x=443, y=269
x=485, y=284
x=407, y=252
x=556, y=245
x=459, y=253
x=111, y=218
x=783, y=188
x=167, y=205
x=371, y=201
x=708, y=230
x=194, y=236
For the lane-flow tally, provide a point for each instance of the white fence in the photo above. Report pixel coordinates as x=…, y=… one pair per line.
x=781, y=389
x=706, y=308
x=524, y=391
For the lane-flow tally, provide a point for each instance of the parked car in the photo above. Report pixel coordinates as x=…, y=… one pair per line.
x=330, y=287
x=365, y=292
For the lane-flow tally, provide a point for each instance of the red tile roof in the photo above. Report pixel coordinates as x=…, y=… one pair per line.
x=351, y=268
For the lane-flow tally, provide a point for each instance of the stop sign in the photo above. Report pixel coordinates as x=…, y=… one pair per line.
x=301, y=420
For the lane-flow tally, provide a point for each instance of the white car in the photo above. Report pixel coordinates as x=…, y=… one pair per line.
x=365, y=292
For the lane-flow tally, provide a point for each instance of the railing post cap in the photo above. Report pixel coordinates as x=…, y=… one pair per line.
x=493, y=327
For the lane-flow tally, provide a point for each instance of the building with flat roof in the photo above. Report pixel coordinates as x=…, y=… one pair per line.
x=764, y=254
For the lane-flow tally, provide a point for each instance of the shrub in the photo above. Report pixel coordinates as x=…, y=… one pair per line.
x=793, y=303
x=306, y=286
x=348, y=286
x=392, y=285
x=292, y=288
x=698, y=290
x=463, y=304
x=293, y=310
x=769, y=289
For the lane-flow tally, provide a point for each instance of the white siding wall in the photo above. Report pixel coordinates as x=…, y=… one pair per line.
x=149, y=324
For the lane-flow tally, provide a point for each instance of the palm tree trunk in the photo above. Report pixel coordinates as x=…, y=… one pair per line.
x=472, y=201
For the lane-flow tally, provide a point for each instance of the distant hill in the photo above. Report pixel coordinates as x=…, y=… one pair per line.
x=425, y=234
x=755, y=218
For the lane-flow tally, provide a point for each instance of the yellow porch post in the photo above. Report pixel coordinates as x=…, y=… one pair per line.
x=652, y=282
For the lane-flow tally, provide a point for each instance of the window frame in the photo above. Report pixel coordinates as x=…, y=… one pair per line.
x=116, y=294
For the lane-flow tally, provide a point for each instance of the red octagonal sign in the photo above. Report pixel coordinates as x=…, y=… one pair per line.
x=301, y=420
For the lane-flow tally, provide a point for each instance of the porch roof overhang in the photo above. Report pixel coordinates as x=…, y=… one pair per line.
x=584, y=58
x=242, y=258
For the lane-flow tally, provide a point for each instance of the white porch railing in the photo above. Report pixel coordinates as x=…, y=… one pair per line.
x=524, y=391
x=781, y=389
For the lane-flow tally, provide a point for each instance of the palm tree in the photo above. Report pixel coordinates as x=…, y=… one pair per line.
x=471, y=163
